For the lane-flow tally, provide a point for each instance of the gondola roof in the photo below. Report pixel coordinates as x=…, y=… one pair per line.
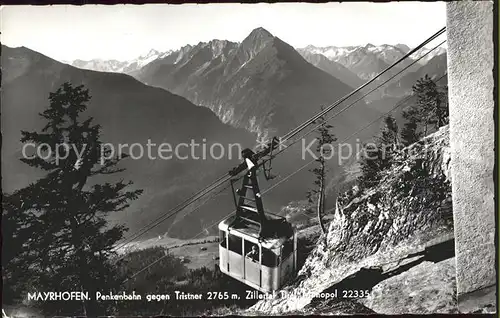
x=248, y=228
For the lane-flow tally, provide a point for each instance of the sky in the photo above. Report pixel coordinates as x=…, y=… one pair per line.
x=124, y=32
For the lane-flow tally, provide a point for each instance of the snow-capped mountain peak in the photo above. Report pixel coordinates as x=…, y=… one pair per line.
x=428, y=57
x=331, y=52
x=120, y=66
x=148, y=58
x=386, y=53
x=365, y=61
x=151, y=52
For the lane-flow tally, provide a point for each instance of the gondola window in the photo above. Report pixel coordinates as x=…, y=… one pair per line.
x=252, y=251
x=287, y=248
x=269, y=258
x=222, y=239
x=235, y=243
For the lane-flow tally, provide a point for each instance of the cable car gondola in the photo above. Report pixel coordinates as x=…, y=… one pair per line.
x=256, y=248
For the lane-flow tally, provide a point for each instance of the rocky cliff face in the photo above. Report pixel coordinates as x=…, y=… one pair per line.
x=410, y=207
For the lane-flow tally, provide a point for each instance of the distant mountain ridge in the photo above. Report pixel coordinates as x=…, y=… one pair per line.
x=434, y=68
x=354, y=58
x=333, y=68
x=116, y=66
x=265, y=86
x=353, y=65
x=386, y=52
x=369, y=60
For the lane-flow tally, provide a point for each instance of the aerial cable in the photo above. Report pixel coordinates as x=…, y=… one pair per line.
x=194, y=210
x=227, y=176
x=203, y=231
x=399, y=104
x=221, y=180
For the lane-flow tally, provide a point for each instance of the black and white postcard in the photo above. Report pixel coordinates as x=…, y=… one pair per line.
x=252, y=159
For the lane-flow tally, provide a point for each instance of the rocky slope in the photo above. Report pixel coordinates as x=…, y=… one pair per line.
x=410, y=291
x=404, y=214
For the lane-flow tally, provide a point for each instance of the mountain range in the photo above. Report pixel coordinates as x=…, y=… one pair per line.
x=369, y=60
x=352, y=65
x=256, y=88
x=365, y=61
x=261, y=84
x=345, y=56
x=116, y=66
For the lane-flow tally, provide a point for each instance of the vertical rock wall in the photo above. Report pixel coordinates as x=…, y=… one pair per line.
x=471, y=102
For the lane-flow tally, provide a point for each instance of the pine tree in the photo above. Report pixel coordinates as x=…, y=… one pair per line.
x=370, y=167
x=388, y=141
x=66, y=213
x=381, y=156
x=409, y=133
x=441, y=111
x=429, y=112
x=317, y=194
x=16, y=259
